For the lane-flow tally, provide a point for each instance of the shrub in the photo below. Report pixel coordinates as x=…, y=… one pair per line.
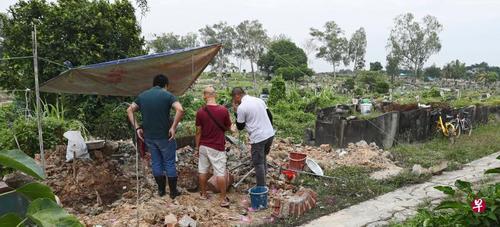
x=431, y=93
x=381, y=87
x=349, y=84
x=278, y=90
x=113, y=123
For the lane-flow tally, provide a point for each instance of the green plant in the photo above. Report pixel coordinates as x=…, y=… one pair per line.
x=112, y=123
x=382, y=87
x=349, y=84
x=278, y=90
x=43, y=209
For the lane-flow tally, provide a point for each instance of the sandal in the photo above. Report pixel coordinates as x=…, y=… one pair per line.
x=204, y=197
x=226, y=203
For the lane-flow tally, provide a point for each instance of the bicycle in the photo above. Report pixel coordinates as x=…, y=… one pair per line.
x=446, y=128
x=463, y=123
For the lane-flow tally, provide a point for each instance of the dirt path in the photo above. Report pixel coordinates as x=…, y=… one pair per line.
x=402, y=203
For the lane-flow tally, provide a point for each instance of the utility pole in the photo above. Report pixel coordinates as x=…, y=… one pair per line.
x=37, y=92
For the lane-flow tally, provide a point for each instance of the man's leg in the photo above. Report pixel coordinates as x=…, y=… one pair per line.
x=267, y=149
x=259, y=160
x=157, y=166
x=168, y=150
x=218, y=160
x=203, y=164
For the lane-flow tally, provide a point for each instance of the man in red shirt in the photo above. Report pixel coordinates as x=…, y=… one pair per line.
x=212, y=121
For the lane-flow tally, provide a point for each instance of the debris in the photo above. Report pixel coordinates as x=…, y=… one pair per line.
x=386, y=173
x=367, y=155
x=325, y=148
x=170, y=220
x=419, y=170
x=439, y=168
x=187, y=221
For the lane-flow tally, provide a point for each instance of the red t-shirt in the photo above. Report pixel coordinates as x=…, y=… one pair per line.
x=212, y=135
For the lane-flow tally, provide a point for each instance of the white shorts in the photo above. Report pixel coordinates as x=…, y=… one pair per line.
x=217, y=159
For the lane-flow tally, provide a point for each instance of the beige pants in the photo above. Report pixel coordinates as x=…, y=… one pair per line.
x=211, y=157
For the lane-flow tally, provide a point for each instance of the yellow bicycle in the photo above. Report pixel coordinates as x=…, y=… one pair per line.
x=447, y=127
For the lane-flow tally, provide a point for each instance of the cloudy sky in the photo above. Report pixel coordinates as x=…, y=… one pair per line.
x=471, y=27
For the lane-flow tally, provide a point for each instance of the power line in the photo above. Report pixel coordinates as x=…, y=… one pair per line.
x=15, y=58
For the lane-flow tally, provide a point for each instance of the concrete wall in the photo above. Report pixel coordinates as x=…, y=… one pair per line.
x=387, y=129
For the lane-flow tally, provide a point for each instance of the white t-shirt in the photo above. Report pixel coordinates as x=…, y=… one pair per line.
x=252, y=112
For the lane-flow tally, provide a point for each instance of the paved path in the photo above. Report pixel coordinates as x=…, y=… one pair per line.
x=402, y=203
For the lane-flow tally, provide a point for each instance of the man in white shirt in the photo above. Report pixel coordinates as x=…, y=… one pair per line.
x=253, y=115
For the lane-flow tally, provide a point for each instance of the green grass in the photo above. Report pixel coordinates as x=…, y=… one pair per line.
x=484, y=140
x=353, y=184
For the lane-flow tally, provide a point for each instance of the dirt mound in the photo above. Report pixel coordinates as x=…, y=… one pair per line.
x=85, y=183
x=366, y=155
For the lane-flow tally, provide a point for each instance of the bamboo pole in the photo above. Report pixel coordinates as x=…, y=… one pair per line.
x=37, y=93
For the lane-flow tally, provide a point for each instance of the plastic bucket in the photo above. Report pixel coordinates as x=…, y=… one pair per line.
x=297, y=161
x=258, y=197
x=365, y=108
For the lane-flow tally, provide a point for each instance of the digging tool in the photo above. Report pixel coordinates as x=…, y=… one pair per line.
x=243, y=178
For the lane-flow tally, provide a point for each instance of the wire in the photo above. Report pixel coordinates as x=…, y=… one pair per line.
x=15, y=58
x=53, y=62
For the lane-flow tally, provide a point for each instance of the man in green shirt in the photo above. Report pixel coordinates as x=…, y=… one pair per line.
x=158, y=132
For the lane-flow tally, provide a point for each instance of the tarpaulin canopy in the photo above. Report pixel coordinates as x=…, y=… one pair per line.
x=131, y=76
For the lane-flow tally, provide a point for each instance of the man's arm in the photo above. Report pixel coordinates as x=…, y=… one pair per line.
x=197, y=137
x=270, y=115
x=179, y=113
x=132, y=108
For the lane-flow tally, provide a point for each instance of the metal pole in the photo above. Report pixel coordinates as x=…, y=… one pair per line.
x=37, y=93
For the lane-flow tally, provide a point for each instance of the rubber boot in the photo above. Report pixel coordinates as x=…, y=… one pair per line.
x=172, y=185
x=161, y=181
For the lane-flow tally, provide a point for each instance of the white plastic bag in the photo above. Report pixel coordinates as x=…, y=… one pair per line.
x=76, y=146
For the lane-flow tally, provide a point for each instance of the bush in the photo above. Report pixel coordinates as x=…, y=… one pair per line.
x=26, y=131
x=113, y=123
x=431, y=93
x=349, y=84
x=381, y=87
x=278, y=90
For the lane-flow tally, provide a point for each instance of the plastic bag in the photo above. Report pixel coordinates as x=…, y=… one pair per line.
x=76, y=146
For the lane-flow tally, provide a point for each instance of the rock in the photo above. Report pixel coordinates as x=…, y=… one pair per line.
x=437, y=169
x=110, y=147
x=419, y=170
x=170, y=220
x=98, y=155
x=325, y=148
x=17, y=179
x=187, y=221
x=386, y=173
x=362, y=143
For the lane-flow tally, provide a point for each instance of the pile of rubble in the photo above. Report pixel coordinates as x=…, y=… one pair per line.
x=364, y=154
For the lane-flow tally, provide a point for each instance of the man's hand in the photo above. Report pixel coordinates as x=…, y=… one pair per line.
x=171, y=133
x=197, y=152
x=233, y=128
x=140, y=133
x=235, y=106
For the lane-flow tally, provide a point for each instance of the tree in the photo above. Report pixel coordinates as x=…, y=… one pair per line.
x=284, y=55
x=2, y=18
x=454, y=70
x=487, y=77
x=333, y=45
x=376, y=66
x=412, y=42
x=171, y=41
x=356, y=50
x=392, y=67
x=251, y=40
x=219, y=33
x=309, y=48
x=83, y=32
x=432, y=71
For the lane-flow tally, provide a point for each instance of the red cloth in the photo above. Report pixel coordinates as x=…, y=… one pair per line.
x=212, y=135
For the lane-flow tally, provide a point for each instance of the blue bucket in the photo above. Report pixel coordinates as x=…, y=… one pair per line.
x=258, y=197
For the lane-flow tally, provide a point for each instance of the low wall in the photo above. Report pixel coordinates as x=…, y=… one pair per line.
x=386, y=130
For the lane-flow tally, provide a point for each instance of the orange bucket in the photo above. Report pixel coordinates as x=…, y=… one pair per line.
x=297, y=161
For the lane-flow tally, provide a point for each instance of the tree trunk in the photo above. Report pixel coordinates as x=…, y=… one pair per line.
x=334, y=73
x=415, y=76
x=253, y=75
x=392, y=79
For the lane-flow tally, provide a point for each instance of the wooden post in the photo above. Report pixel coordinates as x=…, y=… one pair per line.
x=37, y=93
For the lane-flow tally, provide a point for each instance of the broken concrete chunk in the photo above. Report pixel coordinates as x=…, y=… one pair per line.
x=170, y=220
x=187, y=221
x=325, y=148
x=361, y=143
x=419, y=170
x=437, y=169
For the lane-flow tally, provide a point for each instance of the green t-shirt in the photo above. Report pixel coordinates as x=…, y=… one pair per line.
x=155, y=105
